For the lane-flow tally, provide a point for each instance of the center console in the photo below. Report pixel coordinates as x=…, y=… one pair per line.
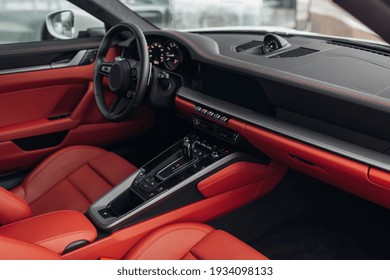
x=167, y=182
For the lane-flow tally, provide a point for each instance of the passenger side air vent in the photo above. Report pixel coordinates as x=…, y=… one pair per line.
x=294, y=53
x=358, y=48
x=247, y=46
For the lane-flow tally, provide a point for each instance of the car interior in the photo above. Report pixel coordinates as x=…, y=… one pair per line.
x=161, y=144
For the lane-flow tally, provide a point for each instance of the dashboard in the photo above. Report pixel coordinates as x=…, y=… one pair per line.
x=323, y=92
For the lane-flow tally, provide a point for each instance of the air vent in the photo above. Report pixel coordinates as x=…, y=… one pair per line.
x=248, y=46
x=359, y=48
x=294, y=53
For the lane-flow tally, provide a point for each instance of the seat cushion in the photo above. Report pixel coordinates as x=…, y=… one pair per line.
x=191, y=241
x=12, y=249
x=72, y=179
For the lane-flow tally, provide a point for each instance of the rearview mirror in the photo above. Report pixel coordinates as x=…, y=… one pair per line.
x=61, y=25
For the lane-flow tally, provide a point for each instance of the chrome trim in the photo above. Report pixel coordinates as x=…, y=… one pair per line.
x=25, y=69
x=76, y=60
x=150, y=73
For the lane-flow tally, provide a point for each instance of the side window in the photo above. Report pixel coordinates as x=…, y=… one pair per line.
x=23, y=21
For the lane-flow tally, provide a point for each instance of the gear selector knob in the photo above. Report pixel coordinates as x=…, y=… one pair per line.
x=187, y=148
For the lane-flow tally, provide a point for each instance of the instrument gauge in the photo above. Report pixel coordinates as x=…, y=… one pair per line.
x=172, y=55
x=271, y=46
x=156, y=53
x=273, y=43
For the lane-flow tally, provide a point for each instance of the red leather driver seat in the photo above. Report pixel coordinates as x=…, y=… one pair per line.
x=70, y=179
x=188, y=241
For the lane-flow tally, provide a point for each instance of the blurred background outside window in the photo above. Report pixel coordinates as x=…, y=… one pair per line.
x=24, y=20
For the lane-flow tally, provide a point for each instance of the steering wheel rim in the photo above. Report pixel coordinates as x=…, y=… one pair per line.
x=128, y=78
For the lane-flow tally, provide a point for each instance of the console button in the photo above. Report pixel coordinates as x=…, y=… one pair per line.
x=160, y=189
x=223, y=118
x=198, y=108
x=204, y=111
x=216, y=115
x=146, y=186
x=105, y=213
x=210, y=113
x=215, y=155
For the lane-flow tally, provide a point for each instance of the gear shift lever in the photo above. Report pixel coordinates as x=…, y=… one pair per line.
x=187, y=148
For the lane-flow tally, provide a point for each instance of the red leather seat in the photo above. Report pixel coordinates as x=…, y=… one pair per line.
x=187, y=241
x=70, y=179
x=191, y=241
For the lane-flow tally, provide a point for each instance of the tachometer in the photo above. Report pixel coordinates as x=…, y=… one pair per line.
x=156, y=53
x=172, y=56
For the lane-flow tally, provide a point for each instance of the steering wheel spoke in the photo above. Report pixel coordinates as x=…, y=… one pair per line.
x=119, y=105
x=105, y=68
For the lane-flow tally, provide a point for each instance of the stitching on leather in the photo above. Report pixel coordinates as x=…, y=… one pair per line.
x=74, y=186
x=50, y=159
x=40, y=216
x=42, y=166
x=151, y=242
x=190, y=253
x=259, y=70
x=194, y=254
x=99, y=174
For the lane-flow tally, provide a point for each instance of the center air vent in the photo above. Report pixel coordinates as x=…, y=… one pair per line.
x=294, y=53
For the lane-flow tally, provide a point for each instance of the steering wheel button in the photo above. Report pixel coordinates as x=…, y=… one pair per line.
x=106, y=69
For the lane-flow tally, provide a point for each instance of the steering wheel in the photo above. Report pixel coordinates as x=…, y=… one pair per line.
x=128, y=78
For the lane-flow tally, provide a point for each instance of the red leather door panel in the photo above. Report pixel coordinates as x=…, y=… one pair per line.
x=30, y=100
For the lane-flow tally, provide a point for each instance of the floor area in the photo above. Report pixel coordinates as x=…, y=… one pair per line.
x=303, y=218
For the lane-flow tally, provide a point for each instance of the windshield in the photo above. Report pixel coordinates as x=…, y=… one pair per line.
x=318, y=16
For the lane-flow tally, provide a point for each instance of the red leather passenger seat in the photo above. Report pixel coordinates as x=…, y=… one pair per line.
x=187, y=241
x=70, y=179
x=191, y=241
